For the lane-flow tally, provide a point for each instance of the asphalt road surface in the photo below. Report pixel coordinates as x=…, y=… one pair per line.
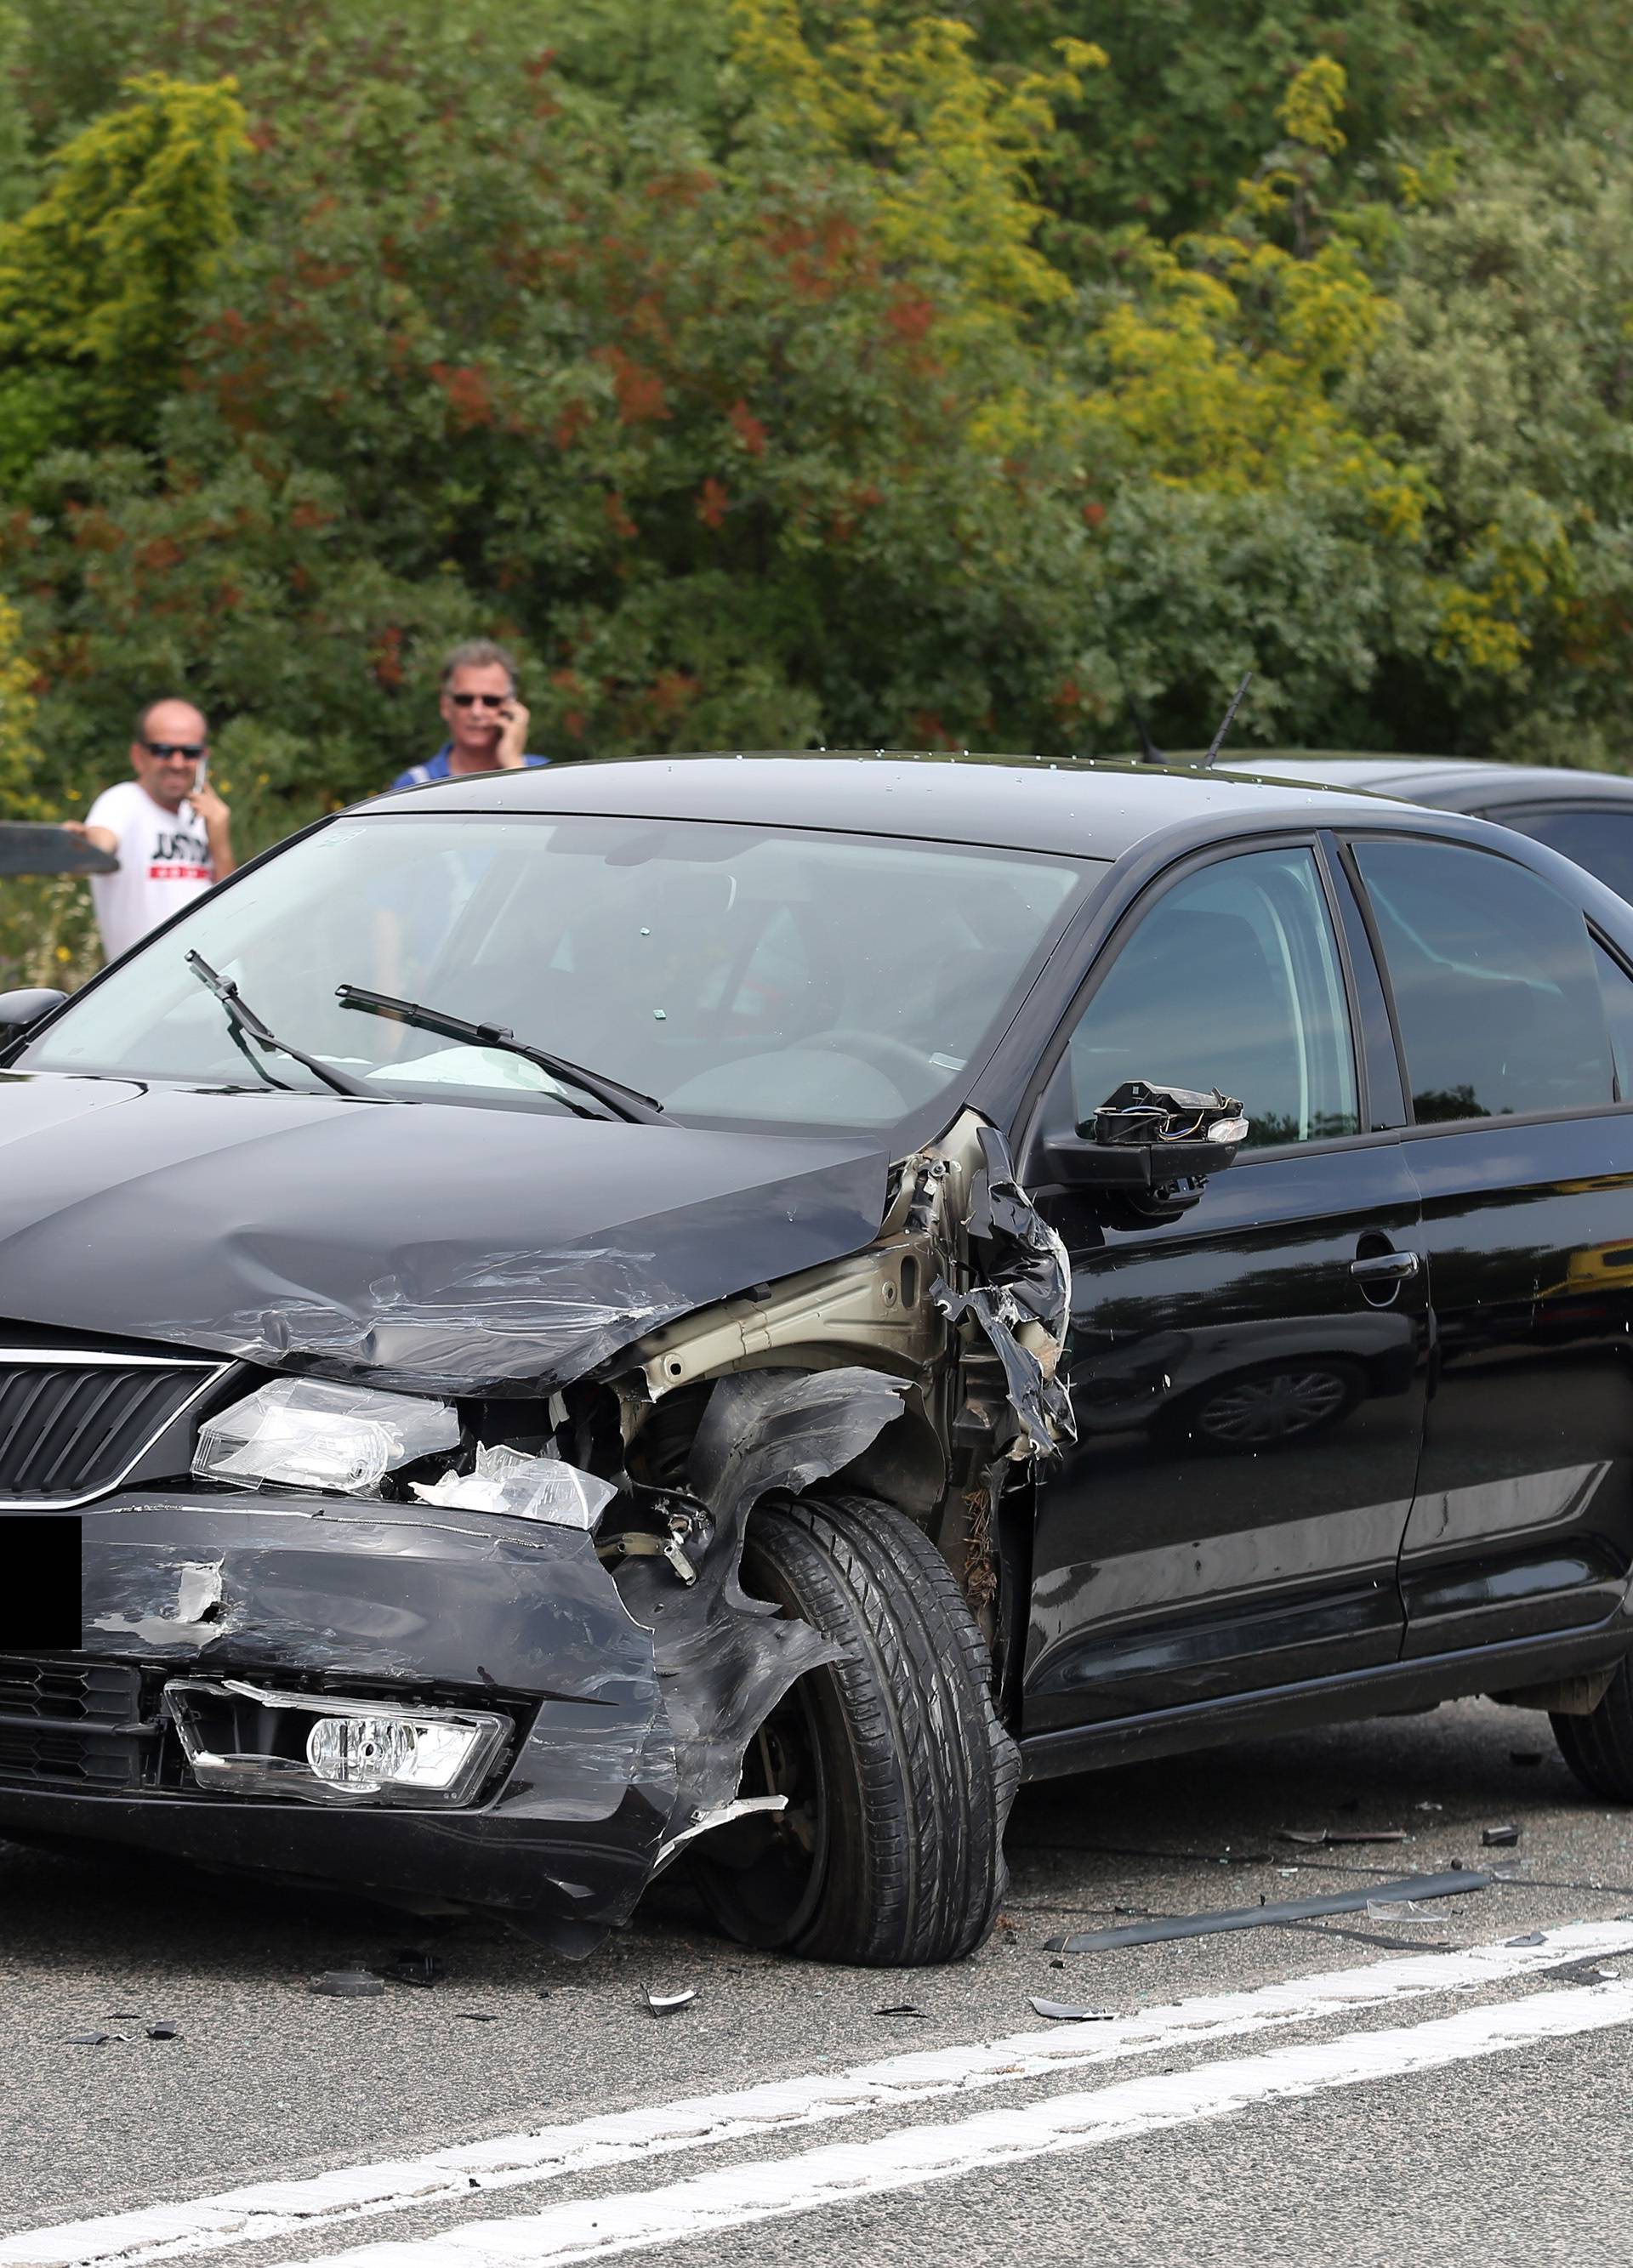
x=1445, y=2084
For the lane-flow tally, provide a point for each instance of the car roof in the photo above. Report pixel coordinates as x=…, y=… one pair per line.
x=1088, y=809
x=1448, y=782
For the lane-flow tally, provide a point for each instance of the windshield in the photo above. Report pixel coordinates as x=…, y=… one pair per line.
x=743, y=976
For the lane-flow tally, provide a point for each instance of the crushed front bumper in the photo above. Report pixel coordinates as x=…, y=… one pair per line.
x=399, y=1603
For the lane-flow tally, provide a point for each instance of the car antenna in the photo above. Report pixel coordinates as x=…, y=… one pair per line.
x=1150, y=753
x=1217, y=742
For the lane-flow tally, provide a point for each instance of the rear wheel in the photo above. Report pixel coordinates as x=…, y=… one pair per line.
x=898, y=1774
x=1598, y=1748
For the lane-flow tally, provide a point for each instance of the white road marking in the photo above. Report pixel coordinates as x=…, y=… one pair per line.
x=271, y=2209
x=914, y=2156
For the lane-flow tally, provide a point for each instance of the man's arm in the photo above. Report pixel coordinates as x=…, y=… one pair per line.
x=103, y=838
x=217, y=827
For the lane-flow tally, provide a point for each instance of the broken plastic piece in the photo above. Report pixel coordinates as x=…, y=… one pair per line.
x=1204, y=1924
x=349, y=1984
x=1062, y=2012
x=1390, y=1908
x=744, y=1807
x=476, y=2015
x=298, y=1432
x=1499, y=1838
x=902, y=2008
x=1531, y=1937
x=1323, y=1834
x=412, y=1968
x=523, y=1487
x=665, y=2003
x=1428, y=1805
x=164, y=2030
x=93, y=2039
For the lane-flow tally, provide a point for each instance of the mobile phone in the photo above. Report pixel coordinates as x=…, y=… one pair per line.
x=201, y=777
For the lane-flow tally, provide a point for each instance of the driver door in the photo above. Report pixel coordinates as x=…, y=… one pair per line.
x=1249, y=1379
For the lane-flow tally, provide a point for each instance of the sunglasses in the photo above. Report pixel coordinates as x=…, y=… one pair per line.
x=488, y=700
x=191, y=749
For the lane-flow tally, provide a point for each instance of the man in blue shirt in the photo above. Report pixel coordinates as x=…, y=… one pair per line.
x=487, y=725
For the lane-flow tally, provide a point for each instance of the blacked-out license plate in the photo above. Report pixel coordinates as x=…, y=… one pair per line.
x=40, y=1580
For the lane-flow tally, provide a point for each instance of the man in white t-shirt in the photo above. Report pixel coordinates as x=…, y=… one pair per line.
x=170, y=831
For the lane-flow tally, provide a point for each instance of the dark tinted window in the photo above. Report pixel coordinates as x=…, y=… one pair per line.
x=1616, y=990
x=1232, y=980
x=1601, y=839
x=1496, y=989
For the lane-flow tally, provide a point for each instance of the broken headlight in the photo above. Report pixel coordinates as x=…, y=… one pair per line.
x=250, y=1740
x=304, y=1434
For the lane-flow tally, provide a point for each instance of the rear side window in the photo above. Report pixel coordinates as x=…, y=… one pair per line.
x=1496, y=990
x=1601, y=839
x=1232, y=980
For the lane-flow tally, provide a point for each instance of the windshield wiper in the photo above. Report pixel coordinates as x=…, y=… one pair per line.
x=623, y=1102
x=244, y=1021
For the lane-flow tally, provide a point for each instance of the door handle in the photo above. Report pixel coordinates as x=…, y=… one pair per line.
x=1385, y=1267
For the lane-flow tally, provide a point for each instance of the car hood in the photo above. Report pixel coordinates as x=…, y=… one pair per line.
x=435, y=1247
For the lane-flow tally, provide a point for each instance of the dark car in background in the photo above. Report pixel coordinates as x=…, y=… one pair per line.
x=1586, y=815
x=716, y=1311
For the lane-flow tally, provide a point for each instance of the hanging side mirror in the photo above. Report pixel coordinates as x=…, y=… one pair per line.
x=1145, y=1153
x=18, y=1010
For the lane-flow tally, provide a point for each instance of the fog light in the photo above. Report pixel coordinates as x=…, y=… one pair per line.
x=250, y=1740
x=369, y=1753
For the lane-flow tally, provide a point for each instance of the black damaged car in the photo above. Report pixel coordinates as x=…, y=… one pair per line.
x=690, y=1311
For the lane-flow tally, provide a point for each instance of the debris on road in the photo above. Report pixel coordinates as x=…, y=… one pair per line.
x=348, y=1985
x=1062, y=2012
x=94, y=2039
x=1531, y=1937
x=1499, y=1838
x=1259, y=1917
x=476, y=2016
x=1318, y=1836
x=1427, y=1804
x=164, y=2030
x=665, y=2003
x=902, y=2008
x=413, y=1967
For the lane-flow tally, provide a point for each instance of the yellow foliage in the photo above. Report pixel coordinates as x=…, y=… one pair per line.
x=20, y=759
x=953, y=144
x=1310, y=106
x=94, y=274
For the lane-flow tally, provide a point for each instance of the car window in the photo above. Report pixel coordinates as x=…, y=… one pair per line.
x=1601, y=839
x=1615, y=987
x=742, y=975
x=1496, y=996
x=1232, y=980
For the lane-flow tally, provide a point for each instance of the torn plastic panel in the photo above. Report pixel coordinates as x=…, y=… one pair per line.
x=523, y=1488
x=724, y=1659
x=1021, y=1300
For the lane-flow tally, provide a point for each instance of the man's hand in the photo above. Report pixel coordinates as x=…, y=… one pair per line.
x=218, y=825
x=512, y=739
x=103, y=838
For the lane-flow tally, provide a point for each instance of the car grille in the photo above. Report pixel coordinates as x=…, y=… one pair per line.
x=69, y=1724
x=73, y=1424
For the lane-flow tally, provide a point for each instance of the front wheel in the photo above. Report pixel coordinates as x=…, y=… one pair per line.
x=1598, y=1748
x=898, y=1775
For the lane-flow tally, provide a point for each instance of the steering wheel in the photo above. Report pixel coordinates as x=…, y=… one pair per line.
x=878, y=1049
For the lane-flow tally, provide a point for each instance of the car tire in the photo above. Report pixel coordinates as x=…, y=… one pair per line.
x=900, y=1775
x=1598, y=1748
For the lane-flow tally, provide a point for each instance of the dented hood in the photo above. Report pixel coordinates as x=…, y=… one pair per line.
x=440, y=1247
